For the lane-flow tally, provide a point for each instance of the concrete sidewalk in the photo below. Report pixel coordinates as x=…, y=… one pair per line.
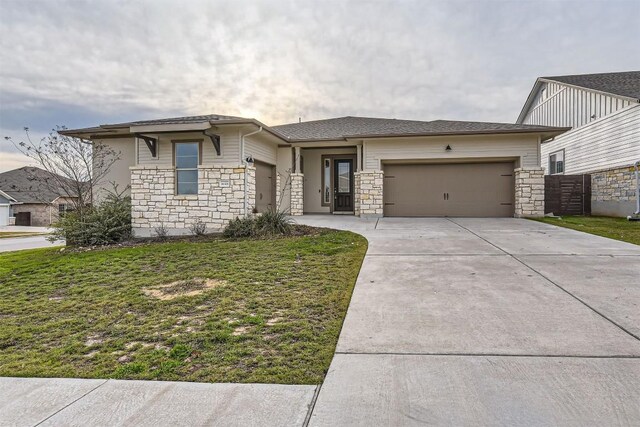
x=83, y=403
x=486, y=322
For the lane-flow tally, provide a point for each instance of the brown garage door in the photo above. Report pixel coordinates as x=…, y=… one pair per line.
x=265, y=187
x=462, y=189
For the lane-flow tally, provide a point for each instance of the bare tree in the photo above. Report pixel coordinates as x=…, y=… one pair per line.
x=75, y=167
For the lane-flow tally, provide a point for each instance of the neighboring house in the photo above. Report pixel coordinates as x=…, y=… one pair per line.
x=35, y=201
x=5, y=208
x=214, y=168
x=603, y=111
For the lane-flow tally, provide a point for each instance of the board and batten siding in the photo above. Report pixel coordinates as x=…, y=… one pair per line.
x=609, y=142
x=569, y=106
x=523, y=148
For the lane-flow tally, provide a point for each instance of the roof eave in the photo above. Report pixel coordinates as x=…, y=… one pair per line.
x=551, y=130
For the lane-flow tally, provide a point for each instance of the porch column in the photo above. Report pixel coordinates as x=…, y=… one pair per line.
x=358, y=158
x=297, y=160
x=297, y=185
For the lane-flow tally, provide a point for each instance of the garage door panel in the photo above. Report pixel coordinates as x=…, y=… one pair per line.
x=465, y=189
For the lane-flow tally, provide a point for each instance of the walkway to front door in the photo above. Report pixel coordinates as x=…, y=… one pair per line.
x=485, y=322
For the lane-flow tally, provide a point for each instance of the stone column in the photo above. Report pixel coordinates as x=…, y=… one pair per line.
x=297, y=194
x=370, y=202
x=356, y=195
x=529, y=192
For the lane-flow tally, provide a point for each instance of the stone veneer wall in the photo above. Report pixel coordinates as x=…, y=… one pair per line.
x=297, y=194
x=613, y=192
x=369, y=193
x=356, y=193
x=614, y=184
x=529, y=192
x=155, y=204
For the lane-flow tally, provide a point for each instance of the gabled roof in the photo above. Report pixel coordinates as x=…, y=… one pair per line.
x=6, y=196
x=625, y=85
x=368, y=127
x=29, y=185
x=331, y=129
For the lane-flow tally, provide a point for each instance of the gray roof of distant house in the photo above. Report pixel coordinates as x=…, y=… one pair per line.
x=352, y=127
x=29, y=185
x=625, y=83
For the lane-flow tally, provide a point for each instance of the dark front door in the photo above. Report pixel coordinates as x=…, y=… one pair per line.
x=343, y=186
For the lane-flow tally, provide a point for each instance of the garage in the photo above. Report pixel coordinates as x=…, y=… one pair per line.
x=451, y=189
x=265, y=187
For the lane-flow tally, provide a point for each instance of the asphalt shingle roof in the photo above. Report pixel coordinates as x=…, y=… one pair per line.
x=177, y=120
x=28, y=185
x=345, y=127
x=623, y=84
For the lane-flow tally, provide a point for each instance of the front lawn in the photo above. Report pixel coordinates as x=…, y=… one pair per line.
x=212, y=310
x=613, y=228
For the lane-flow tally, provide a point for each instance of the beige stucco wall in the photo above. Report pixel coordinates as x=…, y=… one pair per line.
x=524, y=148
x=313, y=177
x=119, y=172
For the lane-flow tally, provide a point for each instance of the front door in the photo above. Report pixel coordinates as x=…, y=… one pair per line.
x=343, y=185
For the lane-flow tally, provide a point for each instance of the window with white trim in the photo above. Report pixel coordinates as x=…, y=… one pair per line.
x=187, y=158
x=556, y=162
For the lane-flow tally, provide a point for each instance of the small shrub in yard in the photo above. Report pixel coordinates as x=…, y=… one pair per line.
x=198, y=228
x=161, y=232
x=240, y=227
x=271, y=223
x=107, y=223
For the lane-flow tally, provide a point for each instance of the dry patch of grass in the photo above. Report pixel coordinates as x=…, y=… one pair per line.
x=182, y=288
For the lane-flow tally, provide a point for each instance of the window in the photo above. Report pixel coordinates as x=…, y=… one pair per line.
x=556, y=162
x=187, y=158
x=64, y=208
x=326, y=181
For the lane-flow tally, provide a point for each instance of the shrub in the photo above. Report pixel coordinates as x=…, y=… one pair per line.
x=107, y=223
x=273, y=223
x=240, y=227
x=161, y=232
x=198, y=228
x=270, y=223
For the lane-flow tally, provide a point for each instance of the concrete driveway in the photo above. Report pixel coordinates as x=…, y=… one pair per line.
x=26, y=242
x=486, y=322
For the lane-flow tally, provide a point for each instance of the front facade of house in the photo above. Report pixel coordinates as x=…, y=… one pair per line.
x=214, y=168
x=603, y=111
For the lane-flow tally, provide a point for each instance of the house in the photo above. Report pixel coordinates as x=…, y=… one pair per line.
x=5, y=208
x=603, y=112
x=214, y=168
x=34, y=200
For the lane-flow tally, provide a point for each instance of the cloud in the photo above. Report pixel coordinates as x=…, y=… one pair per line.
x=82, y=63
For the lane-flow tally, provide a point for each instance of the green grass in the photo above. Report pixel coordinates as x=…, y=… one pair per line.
x=10, y=234
x=274, y=316
x=613, y=228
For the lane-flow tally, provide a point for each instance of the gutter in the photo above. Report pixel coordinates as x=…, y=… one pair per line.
x=636, y=214
x=243, y=160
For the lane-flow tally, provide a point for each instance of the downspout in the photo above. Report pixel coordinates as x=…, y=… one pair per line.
x=636, y=214
x=245, y=163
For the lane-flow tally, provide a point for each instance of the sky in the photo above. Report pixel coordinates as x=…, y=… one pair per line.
x=84, y=63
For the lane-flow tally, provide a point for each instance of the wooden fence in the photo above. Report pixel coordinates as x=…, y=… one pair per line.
x=567, y=194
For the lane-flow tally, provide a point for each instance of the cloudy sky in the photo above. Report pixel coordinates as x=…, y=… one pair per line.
x=82, y=63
